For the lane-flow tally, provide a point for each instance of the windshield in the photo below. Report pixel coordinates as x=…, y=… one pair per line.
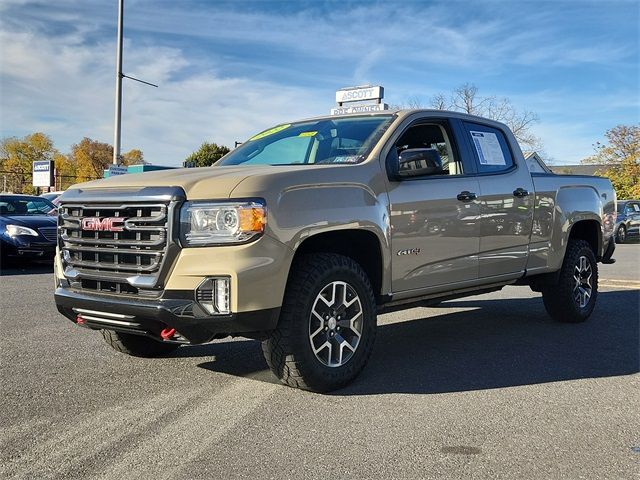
x=333, y=140
x=25, y=206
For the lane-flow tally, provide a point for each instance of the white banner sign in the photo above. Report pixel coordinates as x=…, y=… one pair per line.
x=359, y=94
x=117, y=170
x=378, y=107
x=43, y=173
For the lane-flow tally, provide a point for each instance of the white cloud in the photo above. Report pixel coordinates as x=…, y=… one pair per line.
x=65, y=89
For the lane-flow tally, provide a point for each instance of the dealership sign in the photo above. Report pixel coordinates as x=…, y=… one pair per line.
x=363, y=99
x=359, y=94
x=43, y=173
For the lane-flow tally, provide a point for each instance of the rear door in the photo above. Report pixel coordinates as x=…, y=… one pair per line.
x=507, y=201
x=434, y=226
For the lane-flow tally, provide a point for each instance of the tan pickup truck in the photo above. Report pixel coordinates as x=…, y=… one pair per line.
x=308, y=230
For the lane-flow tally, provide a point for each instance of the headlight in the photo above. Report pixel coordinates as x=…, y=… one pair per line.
x=211, y=223
x=15, y=230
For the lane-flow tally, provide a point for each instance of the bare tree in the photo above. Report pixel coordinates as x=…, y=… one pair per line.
x=466, y=99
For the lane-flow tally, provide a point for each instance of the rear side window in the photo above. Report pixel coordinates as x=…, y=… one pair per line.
x=490, y=148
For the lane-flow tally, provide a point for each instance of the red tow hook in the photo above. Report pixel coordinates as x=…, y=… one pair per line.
x=167, y=333
x=80, y=320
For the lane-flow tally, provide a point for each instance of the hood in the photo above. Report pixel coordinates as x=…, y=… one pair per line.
x=31, y=221
x=198, y=183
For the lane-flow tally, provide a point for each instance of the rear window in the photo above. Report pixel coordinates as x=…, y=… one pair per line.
x=490, y=148
x=25, y=206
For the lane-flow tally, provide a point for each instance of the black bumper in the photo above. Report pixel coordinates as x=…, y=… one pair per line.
x=173, y=310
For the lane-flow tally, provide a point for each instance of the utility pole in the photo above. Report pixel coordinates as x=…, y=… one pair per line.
x=118, y=116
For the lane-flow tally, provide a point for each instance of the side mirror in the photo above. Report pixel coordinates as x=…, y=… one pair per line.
x=415, y=162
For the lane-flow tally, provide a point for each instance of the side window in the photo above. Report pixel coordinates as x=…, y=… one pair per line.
x=433, y=136
x=490, y=148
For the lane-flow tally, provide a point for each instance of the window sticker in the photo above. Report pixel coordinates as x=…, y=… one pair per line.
x=271, y=131
x=308, y=134
x=488, y=148
x=346, y=159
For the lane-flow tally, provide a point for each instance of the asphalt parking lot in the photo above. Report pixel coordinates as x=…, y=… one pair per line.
x=482, y=387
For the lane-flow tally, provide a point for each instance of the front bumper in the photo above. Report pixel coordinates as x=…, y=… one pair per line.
x=175, y=309
x=19, y=247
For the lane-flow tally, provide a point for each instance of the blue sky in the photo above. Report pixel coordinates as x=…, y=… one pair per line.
x=229, y=69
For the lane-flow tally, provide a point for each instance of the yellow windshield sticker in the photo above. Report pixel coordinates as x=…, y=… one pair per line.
x=308, y=134
x=271, y=131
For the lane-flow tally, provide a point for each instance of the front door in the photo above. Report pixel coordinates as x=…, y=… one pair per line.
x=434, y=218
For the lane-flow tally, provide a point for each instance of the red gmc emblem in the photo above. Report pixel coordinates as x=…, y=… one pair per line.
x=108, y=224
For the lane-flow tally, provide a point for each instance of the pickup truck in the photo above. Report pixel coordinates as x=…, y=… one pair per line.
x=308, y=230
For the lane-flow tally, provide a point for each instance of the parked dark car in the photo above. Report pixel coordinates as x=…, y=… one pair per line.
x=628, y=220
x=28, y=227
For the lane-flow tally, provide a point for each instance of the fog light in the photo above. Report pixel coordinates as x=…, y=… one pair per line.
x=214, y=295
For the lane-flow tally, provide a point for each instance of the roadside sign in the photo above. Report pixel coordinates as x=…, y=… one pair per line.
x=117, y=170
x=43, y=173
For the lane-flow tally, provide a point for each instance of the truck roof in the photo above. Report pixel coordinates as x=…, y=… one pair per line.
x=402, y=113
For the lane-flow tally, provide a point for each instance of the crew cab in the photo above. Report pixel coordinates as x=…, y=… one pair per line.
x=308, y=230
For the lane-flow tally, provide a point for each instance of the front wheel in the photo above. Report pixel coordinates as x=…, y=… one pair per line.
x=573, y=298
x=621, y=234
x=327, y=324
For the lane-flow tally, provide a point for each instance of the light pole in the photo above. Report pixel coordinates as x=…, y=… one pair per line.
x=117, y=124
x=118, y=116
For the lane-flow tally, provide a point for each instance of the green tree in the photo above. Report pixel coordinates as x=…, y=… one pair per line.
x=206, y=155
x=17, y=156
x=620, y=159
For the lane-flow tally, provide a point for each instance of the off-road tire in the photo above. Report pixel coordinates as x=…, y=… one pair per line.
x=137, y=345
x=559, y=299
x=288, y=350
x=621, y=234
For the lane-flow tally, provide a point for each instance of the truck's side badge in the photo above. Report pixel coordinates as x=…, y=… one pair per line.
x=409, y=251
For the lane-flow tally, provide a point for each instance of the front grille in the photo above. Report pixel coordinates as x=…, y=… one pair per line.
x=102, y=260
x=50, y=233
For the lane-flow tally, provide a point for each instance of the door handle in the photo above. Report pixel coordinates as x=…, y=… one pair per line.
x=520, y=192
x=466, y=196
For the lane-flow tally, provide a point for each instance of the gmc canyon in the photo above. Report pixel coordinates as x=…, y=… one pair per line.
x=308, y=230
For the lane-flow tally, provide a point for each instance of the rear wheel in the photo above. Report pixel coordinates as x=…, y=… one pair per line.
x=621, y=234
x=327, y=324
x=573, y=298
x=137, y=345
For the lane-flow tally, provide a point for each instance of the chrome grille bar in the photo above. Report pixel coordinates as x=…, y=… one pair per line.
x=100, y=252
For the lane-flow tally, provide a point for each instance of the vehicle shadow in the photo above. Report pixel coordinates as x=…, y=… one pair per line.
x=500, y=343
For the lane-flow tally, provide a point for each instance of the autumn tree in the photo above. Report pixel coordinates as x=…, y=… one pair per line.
x=17, y=156
x=620, y=159
x=65, y=171
x=133, y=157
x=92, y=158
x=206, y=155
x=466, y=99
